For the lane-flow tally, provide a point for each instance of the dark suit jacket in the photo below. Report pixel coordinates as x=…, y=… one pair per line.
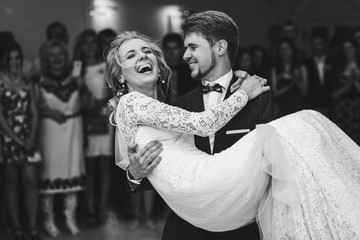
x=185, y=83
x=263, y=109
x=319, y=95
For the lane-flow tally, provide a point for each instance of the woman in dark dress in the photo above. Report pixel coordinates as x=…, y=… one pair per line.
x=346, y=93
x=18, y=120
x=288, y=79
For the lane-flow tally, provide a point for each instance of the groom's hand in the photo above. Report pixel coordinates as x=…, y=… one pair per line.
x=143, y=161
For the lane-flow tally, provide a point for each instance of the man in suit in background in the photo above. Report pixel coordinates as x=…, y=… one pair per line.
x=319, y=76
x=211, y=42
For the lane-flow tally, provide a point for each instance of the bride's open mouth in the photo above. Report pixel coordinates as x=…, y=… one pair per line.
x=146, y=68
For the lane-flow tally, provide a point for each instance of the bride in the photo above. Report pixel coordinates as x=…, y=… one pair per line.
x=299, y=176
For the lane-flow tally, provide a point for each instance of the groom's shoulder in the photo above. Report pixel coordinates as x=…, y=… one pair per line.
x=266, y=106
x=266, y=97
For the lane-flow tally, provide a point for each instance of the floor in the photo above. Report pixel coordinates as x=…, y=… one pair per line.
x=117, y=226
x=114, y=229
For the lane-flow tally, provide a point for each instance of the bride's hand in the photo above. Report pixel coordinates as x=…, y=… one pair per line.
x=254, y=86
x=241, y=75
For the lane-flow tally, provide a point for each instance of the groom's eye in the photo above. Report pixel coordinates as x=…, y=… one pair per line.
x=192, y=47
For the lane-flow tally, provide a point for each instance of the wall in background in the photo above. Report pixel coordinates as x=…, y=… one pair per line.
x=28, y=19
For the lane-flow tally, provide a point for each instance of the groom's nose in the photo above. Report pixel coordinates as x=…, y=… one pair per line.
x=187, y=55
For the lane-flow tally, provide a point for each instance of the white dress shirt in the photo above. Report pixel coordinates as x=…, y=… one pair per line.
x=213, y=98
x=320, y=64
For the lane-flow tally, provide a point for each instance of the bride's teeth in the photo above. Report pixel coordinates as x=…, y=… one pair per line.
x=144, y=66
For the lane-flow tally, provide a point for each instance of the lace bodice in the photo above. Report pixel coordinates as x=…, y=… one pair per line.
x=136, y=109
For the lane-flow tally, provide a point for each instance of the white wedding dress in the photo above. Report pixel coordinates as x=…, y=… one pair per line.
x=298, y=176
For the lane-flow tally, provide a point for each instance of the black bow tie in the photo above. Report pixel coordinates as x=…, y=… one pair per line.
x=207, y=88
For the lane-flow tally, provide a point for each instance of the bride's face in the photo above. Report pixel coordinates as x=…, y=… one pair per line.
x=139, y=65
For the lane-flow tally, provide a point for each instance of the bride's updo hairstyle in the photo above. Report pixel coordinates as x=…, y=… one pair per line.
x=113, y=66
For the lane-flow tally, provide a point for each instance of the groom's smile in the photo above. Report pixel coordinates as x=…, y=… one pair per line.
x=198, y=55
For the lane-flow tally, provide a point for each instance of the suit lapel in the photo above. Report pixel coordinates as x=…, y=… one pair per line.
x=198, y=106
x=221, y=134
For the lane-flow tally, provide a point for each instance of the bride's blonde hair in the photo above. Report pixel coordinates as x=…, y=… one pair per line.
x=113, y=65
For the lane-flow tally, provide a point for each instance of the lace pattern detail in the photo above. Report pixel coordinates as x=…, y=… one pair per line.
x=325, y=163
x=137, y=109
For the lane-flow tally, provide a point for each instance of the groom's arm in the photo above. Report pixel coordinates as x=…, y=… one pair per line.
x=268, y=108
x=142, y=163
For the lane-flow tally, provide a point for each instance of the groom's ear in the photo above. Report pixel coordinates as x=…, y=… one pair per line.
x=222, y=47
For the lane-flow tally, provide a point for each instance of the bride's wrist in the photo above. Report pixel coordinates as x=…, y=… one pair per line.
x=243, y=93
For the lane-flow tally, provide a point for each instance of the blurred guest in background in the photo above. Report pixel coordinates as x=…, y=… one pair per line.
x=57, y=31
x=356, y=36
x=260, y=61
x=8, y=37
x=274, y=35
x=105, y=37
x=346, y=93
x=288, y=79
x=180, y=81
x=5, y=38
x=243, y=60
x=319, y=75
x=99, y=132
x=61, y=138
x=54, y=31
x=290, y=30
x=18, y=121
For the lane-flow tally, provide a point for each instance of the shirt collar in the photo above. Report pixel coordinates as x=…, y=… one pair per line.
x=224, y=81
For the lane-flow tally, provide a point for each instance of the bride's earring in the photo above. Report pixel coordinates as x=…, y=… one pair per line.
x=122, y=91
x=162, y=81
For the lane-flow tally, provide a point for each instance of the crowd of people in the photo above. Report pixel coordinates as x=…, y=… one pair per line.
x=326, y=79
x=56, y=140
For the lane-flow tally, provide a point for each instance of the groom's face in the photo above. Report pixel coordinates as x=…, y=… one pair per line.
x=199, y=55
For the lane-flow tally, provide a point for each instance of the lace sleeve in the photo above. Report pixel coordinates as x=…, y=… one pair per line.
x=138, y=109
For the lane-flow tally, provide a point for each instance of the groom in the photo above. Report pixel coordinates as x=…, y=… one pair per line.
x=211, y=42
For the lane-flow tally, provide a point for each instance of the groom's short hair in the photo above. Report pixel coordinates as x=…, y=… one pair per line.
x=214, y=26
